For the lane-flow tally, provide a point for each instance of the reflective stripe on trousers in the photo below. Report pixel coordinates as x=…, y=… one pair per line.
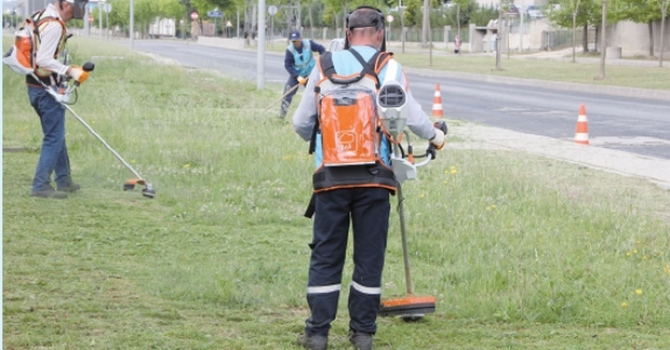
x=369, y=210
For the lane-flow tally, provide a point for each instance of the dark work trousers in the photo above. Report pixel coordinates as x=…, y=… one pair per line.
x=286, y=101
x=369, y=210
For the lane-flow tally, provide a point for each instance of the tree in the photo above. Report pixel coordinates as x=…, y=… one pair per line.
x=561, y=13
x=412, y=13
x=461, y=5
x=663, y=5
x=603, y=41
x=575, y=9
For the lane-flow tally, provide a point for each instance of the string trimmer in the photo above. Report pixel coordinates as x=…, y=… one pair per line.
x=64, y=98
x=391, y=100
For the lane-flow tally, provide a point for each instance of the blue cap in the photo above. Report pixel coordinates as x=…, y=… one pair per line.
x=295, y=35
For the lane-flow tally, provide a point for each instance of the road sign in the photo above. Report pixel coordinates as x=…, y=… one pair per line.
x=272, y=10
x=215, y=14
x=107, y=7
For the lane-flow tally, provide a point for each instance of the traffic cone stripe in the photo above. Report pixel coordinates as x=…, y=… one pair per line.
x=437, y=103
x=582, y=132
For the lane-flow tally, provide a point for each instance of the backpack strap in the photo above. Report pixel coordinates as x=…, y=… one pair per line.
x=312, y=140
x=326, y=64
x=367, y=66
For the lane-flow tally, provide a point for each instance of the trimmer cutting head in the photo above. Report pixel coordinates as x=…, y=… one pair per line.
x=409, y=308
x=148, y=190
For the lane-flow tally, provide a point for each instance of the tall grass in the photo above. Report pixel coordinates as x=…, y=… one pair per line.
x=520, y=251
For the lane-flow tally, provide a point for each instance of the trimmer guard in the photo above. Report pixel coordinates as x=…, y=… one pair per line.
x=410, y=306
x=403, y=169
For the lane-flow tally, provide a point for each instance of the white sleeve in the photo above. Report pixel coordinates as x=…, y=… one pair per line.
x=50, y=36
x=417, y=120
x=305, y=116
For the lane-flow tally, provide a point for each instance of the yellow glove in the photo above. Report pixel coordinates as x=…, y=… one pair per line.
x=79, y=75
x=302, y=80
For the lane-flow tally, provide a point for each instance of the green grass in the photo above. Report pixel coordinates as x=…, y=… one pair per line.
x=521, y=252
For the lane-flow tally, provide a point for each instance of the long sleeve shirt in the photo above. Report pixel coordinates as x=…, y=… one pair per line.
x=289, y=59
x=50, y=37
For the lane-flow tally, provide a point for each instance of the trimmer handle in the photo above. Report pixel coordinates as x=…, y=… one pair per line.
x=431, y=153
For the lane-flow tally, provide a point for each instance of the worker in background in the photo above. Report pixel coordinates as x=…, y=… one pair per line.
x=299, y=62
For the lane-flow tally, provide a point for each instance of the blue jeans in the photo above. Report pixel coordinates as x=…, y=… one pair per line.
x=53, y=156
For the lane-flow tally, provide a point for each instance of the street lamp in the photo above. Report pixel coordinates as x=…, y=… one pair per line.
x=132, y=24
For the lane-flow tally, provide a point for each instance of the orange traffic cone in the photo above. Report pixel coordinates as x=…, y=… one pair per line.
x=582, y=132
x=437, y=103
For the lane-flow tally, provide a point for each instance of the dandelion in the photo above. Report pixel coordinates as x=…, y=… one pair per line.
x=627, y=253
x=422, y=195
x=638, y=291
x=634, y=251
x=453, y=170
x=187, y=165
x=624, y=305
x=444, y=182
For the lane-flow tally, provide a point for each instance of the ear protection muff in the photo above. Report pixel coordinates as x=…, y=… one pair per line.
x=79, y=7
x=378, y=23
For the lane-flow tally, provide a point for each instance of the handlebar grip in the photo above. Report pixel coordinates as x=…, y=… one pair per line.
x=431, y=151
x=88, y=67
x=440, y=124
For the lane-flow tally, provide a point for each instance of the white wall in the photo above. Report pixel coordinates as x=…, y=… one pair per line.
x=633, y=38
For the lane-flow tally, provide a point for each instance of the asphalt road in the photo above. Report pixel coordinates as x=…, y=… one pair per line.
x=616, y=121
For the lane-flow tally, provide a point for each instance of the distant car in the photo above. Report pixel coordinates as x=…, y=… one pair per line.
x=534, y=12
x=336, y=45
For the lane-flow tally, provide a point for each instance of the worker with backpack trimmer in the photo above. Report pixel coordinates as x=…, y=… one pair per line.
x=354, y=179
x=298, y=62
x=37, y=51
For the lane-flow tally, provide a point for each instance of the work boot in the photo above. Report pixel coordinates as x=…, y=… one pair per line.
x=71, y=187
x=49, y=193
x=361, y=341
x=283, y=110
x=313, y=342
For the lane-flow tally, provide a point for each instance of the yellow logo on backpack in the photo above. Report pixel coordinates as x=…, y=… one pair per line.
x=21, y=57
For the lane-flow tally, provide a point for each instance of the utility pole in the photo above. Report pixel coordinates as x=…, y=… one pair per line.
x=522, y=14
x=132, y=25
x=99, y=5
x=260, y=76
